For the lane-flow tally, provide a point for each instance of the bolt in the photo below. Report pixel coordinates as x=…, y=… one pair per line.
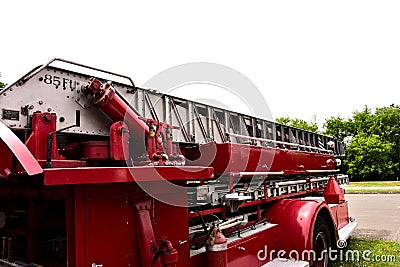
x=40, y=102
x=49, y=109
x=47, y=117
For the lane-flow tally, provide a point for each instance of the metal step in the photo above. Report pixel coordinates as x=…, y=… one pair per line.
x=346, y=230
x=281, y=262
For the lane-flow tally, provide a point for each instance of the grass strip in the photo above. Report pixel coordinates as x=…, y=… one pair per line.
x=372, y=191
x=375, y=252
x=375, y=183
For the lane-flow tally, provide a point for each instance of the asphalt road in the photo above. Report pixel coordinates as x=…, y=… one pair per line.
x=378, y=215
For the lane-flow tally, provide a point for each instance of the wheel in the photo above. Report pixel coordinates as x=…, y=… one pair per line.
x=321, y=243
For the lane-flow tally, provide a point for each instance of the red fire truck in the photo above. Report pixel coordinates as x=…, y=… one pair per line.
x=100, y=173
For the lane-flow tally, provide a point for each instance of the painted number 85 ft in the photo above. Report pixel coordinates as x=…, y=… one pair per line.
x=58, y=81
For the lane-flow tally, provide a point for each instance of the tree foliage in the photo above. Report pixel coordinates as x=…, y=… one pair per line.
x=2, y=85
x=298, y=123
x=374, y=147
x=370, y=157
x=372, y=141
x=337, y=127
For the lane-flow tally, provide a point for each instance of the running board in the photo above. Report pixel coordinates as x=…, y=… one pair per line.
x=279, y=262
x=346, y=230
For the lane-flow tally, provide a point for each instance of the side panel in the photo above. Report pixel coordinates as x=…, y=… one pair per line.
x=105, y=224
x=110, y=237
x=342, y=214
x=254, y=250
x=172, y=222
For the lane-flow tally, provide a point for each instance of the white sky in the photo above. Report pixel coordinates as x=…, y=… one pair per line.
x=306, y=57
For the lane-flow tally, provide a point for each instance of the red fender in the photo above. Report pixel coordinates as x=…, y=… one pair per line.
x=11, y=143
x=295, y=219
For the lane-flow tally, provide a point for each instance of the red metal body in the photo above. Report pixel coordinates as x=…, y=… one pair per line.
x=230, y=157
x=119, y=141
x=127, y=199
x=104, y=175
x=42, y=125
x=93, y=150
x=299, y=216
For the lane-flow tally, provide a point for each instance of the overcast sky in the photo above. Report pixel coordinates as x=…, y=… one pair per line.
x=306, y=57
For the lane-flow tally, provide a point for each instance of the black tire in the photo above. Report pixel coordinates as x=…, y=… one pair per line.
x=321, y=242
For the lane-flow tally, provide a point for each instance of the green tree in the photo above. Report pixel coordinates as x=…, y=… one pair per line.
x=298, y=123
x=337, y=127
x=370, y=157
x=362, y=122
x=374, y=148
x=387, y=123
x=2, y=85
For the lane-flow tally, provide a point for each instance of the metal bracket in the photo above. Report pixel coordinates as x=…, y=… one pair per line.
x=234, y=201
